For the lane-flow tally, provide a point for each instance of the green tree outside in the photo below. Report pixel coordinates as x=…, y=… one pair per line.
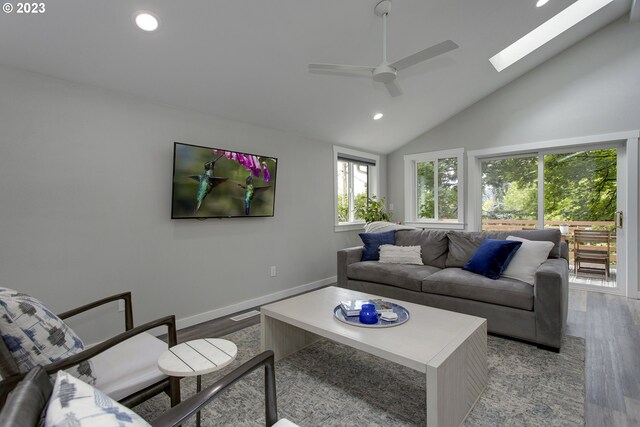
x=579, y=186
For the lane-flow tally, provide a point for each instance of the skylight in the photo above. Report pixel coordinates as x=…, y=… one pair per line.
x=546, y=32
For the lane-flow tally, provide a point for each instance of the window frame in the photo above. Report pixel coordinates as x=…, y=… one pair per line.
x=411, y=189
x=373, y=175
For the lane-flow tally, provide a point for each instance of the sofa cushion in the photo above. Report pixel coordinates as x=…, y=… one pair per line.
x=463, y=244
x=118, y=379
x=400, y=275
x=459, y=283
x=372, y=242
x=547, y=235
x=492, y=257
x=434, y=244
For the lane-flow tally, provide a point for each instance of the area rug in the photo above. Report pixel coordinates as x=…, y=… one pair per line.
x=329, y=384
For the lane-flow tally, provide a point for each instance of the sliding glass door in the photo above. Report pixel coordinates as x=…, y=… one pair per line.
x=575, y=191
x=580, y=198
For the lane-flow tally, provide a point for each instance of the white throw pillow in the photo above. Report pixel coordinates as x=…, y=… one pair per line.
x=76, y=403
x=391, y=254
x=527, y=259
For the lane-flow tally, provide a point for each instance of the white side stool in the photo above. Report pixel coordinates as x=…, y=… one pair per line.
x=196, y=358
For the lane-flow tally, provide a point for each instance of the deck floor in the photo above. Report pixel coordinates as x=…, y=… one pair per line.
x=592, y=279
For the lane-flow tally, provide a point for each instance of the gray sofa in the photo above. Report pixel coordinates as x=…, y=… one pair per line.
x=512, y=308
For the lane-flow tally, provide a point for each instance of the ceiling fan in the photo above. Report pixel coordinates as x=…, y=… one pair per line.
x=387, y=72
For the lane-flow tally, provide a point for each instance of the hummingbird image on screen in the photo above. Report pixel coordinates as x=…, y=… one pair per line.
x=249, y=192
x=206, y=182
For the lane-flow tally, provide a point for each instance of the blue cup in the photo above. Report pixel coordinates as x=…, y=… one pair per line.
x=368, y=314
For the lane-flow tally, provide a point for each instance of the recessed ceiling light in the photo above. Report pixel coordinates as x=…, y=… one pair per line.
x=546, y=32
x=377, y=116
x=146, y=21
x=541, y=3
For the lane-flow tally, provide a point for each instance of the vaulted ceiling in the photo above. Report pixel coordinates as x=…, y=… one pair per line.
x=246, y=60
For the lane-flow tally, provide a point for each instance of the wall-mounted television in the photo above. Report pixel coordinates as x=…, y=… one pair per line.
x=220, y=183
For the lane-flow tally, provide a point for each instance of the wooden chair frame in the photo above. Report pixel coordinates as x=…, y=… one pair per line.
x=28, y=404
x=171, y=385
x=582, y=253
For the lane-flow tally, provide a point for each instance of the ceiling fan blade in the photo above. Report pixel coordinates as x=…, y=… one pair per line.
x=425, y=54
x=356, y=69
x=393, y=88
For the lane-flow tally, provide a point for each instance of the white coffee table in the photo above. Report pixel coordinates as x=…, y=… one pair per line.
x=450, y=348
x=196, y=358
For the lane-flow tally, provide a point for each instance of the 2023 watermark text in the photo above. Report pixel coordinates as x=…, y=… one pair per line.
x=24, y=8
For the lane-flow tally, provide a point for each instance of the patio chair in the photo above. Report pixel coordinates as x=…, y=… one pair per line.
x=33, y=394
x=124, y=366
x=589, y=249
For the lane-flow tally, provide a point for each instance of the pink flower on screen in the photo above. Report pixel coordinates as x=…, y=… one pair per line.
x=265, y=172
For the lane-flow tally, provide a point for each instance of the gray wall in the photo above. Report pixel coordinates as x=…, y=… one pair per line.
x=85, y=188
x=591, y=88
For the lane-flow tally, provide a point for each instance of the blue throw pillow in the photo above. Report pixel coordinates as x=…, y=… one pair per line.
x=372, y=242
x=492, y=257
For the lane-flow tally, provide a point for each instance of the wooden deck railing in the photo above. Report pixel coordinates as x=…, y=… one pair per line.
x=525, y=224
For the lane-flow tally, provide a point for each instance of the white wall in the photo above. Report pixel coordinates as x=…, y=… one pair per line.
x=591, y=88
x=85, y=188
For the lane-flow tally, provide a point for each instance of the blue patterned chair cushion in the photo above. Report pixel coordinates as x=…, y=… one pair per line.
x=74, y=403
x=36, y=336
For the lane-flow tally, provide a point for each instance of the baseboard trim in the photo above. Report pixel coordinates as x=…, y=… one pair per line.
x=255, y=302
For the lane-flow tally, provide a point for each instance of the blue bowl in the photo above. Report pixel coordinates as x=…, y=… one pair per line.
x=368, y=314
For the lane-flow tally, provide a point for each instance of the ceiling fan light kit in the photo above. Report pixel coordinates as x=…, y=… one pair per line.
x=387, y=72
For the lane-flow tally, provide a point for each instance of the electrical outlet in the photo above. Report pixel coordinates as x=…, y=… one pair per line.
x=273, y=271
x=390, y=206
x=120, y=305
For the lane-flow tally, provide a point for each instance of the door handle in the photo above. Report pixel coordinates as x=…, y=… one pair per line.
x=619, y=221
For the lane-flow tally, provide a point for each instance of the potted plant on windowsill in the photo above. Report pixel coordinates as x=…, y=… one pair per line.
x=373, y=210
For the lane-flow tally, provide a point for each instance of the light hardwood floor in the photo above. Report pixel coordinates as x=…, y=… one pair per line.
x=611, y=327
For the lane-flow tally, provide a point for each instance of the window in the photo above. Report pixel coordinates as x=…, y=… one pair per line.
x=434, y=187
x=356, y=176
x=353, y=190
x=509, y=192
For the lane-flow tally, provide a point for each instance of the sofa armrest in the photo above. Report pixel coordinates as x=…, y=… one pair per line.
x=346, y=257
x=564, y=250
x=551, y=298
